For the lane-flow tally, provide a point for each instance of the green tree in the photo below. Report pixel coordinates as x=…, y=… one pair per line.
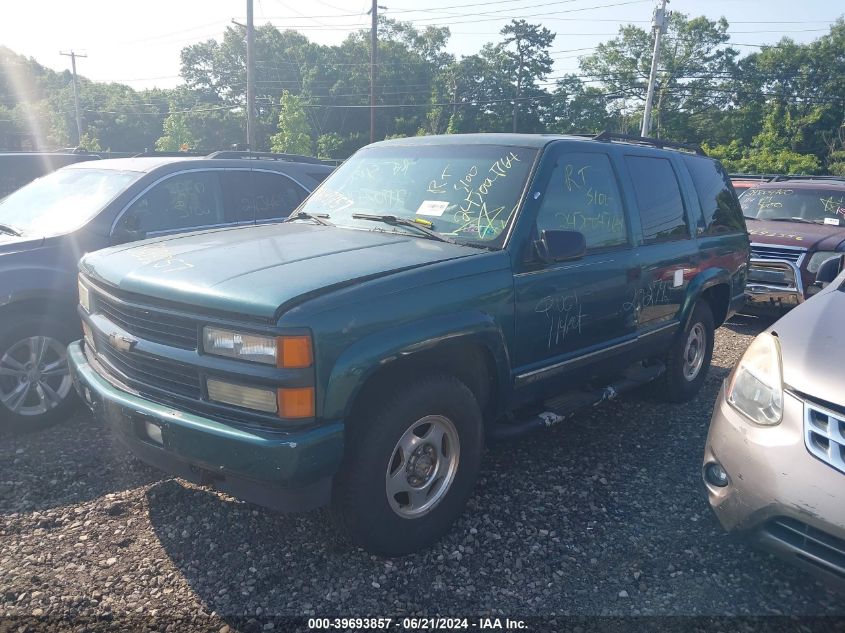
x=89, y=143
x=526, y=60
x=294, y=135
x=177, y=136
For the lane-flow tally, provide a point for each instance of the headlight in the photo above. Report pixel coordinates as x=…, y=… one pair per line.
x=282, y=351
x=84, y=299
x=242, y=396
x=817, y=259
x=755, y=388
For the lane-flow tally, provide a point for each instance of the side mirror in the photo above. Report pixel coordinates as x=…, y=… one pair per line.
x=560, y=246
x=828, y=271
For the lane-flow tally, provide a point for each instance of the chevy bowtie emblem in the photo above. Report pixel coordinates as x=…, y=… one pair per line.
x=123, y=343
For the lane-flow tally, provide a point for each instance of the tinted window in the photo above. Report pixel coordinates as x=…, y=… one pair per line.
x=583, y=196
x=722, y=213
x=275, y=195
x=181, y=202
x=659, y=199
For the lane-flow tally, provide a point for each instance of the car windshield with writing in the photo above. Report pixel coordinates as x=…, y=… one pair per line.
x=62, y=201
x=464, y=193
x=819, y=205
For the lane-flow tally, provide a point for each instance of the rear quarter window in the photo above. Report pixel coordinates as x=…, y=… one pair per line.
x=659, y=199
x=719, y=204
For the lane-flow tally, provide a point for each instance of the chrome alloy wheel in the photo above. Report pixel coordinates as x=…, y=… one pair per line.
x=34, y=376
x=423, y=466
x=694, y=351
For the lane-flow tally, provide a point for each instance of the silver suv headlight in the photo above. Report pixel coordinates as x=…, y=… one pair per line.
x=755, y=388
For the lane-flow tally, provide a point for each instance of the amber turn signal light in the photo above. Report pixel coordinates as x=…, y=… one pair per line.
x=296, y=403
x=294, y=352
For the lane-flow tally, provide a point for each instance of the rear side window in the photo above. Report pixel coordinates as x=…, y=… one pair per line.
x=275, y=195
x=184, y=201
x=722, y=213
x=583, y=196
x=659, y=199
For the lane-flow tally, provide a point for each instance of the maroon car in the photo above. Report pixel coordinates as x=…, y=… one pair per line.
x=795, y=223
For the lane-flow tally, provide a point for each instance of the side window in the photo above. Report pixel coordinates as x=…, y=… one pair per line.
x=659, y=199
x=184, y=201
x=275, y=195
x=722, y=213
x=583, y=196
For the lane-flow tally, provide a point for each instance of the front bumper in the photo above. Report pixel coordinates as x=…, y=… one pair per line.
x=774, y=283
x=778, y=494
x=287, y=471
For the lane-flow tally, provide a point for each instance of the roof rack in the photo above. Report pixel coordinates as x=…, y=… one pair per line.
x=644, y=140
x=294, y=158
x=167, y=154
x=762, y=177
x=783, y=177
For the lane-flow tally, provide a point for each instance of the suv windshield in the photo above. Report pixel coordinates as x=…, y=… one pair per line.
x=62, y=201
x=818, y=204
x=468, y=193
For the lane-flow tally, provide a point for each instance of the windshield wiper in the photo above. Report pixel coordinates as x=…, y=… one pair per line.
x=803, y=220
x=397, y=221
x=5, y=228
x=319, y=218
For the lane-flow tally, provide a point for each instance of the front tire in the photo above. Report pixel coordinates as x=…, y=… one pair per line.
x=688, y=360
x=410, y=465
x=35, y=384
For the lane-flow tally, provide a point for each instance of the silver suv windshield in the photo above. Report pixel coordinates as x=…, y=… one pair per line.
x=819, y=205
x=466, y=193
x=62, y=201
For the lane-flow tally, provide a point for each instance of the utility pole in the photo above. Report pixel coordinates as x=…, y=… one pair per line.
x=373, y=55
x=250, y=79
x=73, y=57
x=659, y=27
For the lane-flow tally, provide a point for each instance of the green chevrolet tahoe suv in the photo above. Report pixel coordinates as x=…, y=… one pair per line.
x=434, y=292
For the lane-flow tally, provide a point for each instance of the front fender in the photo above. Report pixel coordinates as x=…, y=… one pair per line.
x=364, y=357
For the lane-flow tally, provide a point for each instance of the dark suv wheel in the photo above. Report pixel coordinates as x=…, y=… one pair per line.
x=35, y=384
x=409, y=468
x=688, y=360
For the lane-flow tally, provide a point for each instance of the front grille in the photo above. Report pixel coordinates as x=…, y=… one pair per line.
x=773, y=273
x=148, y=373
x=824, y=435
x=810, y=544
x=148, y=323
x=762, y=251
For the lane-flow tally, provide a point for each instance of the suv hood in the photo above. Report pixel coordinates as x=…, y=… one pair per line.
x=256, y=270
x=814, y=237
x=812, y=346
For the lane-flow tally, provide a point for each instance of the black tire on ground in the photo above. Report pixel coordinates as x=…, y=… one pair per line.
x=680, y=383
x=15, y=332
x=361, y=506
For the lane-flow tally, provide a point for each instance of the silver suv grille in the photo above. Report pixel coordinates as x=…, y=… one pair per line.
x=762, y=251
x=824, y=435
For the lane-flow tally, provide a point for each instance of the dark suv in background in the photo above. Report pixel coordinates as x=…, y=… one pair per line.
x=47, y=225
x=795, y=223
x=19, y=168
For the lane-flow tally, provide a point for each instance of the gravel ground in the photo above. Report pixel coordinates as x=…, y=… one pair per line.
x=604, y=515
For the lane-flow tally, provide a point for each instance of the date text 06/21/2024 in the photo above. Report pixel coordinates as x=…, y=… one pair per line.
x=417, y=624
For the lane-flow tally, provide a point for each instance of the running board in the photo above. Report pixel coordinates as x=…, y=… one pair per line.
x=564, y=406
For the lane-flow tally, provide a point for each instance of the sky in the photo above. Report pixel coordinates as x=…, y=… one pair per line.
x=138, y=43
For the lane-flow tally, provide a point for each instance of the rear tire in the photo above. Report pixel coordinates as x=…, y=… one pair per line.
x=35, y=385
x=688, y=360
x=410, y=464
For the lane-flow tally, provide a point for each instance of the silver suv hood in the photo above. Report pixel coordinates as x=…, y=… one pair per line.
x=812, y=341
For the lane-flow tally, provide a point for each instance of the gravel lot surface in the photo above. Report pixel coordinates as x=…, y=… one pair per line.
x=604, y=515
